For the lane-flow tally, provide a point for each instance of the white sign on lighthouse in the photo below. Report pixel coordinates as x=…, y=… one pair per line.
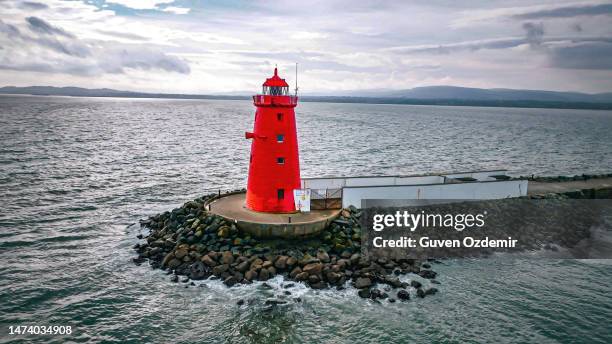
x=301, y=198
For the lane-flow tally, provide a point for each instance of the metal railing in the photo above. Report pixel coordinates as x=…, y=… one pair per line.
x=264, y=99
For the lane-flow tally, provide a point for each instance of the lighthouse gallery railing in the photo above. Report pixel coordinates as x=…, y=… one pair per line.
x=262, y=99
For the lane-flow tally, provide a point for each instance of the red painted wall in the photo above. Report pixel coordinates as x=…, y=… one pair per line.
x=275, y=116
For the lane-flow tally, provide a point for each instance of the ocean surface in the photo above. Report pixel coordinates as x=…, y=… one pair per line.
x=77, y=173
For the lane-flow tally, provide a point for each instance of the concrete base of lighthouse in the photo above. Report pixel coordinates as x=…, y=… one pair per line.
x=271, y=225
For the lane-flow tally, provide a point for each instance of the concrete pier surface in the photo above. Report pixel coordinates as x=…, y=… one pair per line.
x=264, y=225
x=540, y=188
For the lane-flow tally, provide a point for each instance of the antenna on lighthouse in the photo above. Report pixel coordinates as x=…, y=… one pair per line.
x=296, y=86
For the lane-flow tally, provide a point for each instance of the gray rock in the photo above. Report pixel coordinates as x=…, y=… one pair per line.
x=364, y=293
x=230, y=281
x=415, y=284
x=302, y=276
x=181, y=252
x=219, y=269
x=323, y=256
x=281, y=262
x=250, y=275
x=291, y=261
x=403, y=295
x=313, y=268
x=209, y=261
x=297, y=270
x=363, y=282
x=264, y=275
x=174, y=263
x=243, y=267
x=227, y=258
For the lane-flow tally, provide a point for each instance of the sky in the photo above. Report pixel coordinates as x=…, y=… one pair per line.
x=204, y=47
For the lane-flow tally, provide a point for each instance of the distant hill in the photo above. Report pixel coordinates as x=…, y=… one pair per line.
x=466, y=93
x=432, y=95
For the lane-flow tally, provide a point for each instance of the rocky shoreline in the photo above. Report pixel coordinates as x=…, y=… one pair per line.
x=191, y=242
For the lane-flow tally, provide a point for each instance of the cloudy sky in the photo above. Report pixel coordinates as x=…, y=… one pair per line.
x=194, y=46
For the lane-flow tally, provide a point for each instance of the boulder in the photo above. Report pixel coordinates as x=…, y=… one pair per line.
x=174, y=263
x=181, y=252
x=313, y=268
x=250, y=275
x=264, y=275
x=291, y=261
x=318, y=285
x=302, y=276
x=420, y=293
x=230, y=281
x=364, y=293
x=223, y=232
x=375, y=293
x=167, y=259
x=313, y=279
x=219, y=269
x=297, y=270
x=403, y=295
x=227, y=258
x=394, y=282
x=281, y=262
x=363, y=282
x=197, y=271
x=415, y=284
x=429, y=274
x=209, y=261
x=323, y=256
x=243, y=267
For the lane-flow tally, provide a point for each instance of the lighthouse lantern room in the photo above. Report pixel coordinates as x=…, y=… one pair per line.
x=274, y=167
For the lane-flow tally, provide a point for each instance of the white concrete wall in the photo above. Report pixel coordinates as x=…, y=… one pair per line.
x=419, y=180
x=476, y=190
x=480, y=176
x=323, y=183
x=335, y=183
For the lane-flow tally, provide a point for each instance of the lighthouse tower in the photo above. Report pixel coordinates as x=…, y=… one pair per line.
x=274, y=168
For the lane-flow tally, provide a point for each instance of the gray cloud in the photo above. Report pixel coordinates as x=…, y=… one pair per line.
x=534, y=33
x=9, y=29
x=117, y=60
x=31, y=5
x=38, y=25
x=567, y=12
x=587, y=55
x=124, y=35
x=499, y=43
x=81, y=58
x=14, y=35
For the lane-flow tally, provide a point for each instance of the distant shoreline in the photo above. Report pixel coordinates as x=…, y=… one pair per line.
x=344, y=99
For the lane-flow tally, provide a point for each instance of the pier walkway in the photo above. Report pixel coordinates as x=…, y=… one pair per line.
x=539, y=188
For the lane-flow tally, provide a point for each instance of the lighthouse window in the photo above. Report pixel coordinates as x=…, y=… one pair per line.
x=280, y=160
x=280, y=193
x=279, y=116
x=280, y=138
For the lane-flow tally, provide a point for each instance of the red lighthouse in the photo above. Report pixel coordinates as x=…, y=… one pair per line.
x=274, y=168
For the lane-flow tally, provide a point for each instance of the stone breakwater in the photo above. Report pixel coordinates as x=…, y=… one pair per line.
x=191, y=242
